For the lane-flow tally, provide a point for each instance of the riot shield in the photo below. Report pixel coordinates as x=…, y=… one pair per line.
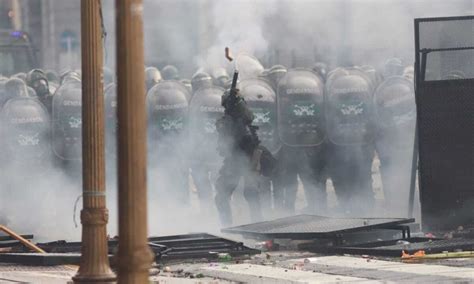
x=300, y=108
x=26, y=134
x=167, y=105
x=204, y=110
x=395, y=113
x=349, y=111
x=261, y=100
x=67, y=121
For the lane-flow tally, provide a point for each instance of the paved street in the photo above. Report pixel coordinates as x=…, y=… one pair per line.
x=279, y=267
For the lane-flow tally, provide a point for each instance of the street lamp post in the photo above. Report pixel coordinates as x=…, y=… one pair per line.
x=94, y=267
x=134, y=255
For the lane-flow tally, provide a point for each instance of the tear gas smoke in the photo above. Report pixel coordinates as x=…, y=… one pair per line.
x=193, y=34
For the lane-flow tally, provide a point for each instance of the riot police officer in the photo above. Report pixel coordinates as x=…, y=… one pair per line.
x=69, y=75
x=170, y=72
x=351, y=141
x=302, y=129
x=395, y=114
x=204, y=110
x=25, y=126
x=201, y=79
x=67, y=125
x=167, y=121
x=15, y=88
x=261, y=100
x=37, y=80
x=243, y=157
x=152, y=77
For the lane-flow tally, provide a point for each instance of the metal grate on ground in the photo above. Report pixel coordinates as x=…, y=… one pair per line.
x=167, y=248
x=313, y=226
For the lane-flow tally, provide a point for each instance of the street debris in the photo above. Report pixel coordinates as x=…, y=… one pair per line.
x=421, y=255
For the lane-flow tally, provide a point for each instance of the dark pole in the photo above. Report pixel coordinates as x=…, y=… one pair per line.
x=94, y=215
x=134, y=255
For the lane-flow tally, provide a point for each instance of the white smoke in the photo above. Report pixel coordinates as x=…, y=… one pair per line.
x=193, y=34
x=238, y=24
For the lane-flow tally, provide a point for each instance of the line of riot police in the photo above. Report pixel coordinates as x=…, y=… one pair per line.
x=319, y=125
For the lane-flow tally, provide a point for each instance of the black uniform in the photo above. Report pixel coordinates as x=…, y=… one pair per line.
x=243, y=157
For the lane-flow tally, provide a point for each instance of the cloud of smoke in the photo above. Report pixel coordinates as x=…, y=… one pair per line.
x=193, y=34
x=238, y=25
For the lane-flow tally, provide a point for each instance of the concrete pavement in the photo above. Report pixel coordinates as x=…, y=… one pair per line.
x=279, y=268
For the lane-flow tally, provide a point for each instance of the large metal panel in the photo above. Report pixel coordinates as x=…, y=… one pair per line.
x=313, y=226
x=445, y=110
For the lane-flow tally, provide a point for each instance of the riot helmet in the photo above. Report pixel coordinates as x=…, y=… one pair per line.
x=275, y=73
x=201, y=79
x=15, y=88
x=220, y=76
x=393, y=67
x=170, y=72
x=152, y=77
x=394, y=102
x=70, y=75
x=38, y=81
